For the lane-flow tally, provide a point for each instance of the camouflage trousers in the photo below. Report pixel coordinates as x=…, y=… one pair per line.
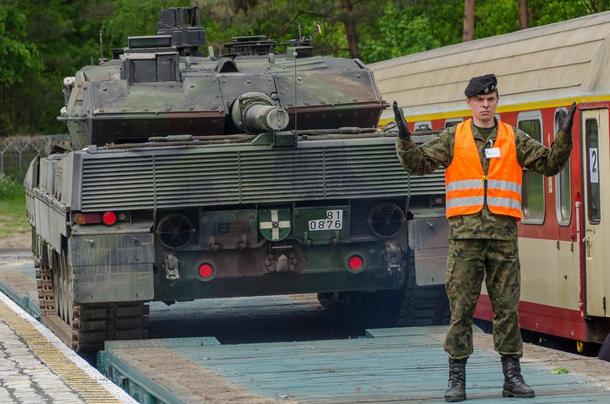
x=468, y=263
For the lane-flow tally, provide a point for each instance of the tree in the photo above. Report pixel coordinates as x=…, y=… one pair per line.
x=404, y=29
x=41, y=42
x=496, y=17
x=19, y=59
x=354, y=16
x=468, y=20
x=523, y=11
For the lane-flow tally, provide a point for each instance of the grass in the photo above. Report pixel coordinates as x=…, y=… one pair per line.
x=12, y=208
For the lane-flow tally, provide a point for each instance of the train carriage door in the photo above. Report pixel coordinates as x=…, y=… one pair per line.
x=596, y=242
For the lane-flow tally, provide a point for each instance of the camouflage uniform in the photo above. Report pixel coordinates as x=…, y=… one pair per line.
x=483, y=244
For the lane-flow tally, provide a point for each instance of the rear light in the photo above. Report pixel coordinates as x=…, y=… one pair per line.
x=355, y=263
x=109, y=218
x=206, y=271
x=88, y=218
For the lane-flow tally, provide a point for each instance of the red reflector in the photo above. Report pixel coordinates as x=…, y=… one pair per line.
x=109, y=218
x=355, y=263
x=206, y=270
x=87, y=218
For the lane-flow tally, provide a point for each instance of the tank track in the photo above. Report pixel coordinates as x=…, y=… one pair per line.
x=421, y=305
x=92, y=324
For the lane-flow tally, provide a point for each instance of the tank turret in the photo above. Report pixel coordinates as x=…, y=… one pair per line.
x=159, y=86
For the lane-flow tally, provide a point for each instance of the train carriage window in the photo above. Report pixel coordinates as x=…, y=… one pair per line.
x=533, y=182
x=423, y=126
x=563, y=192
x=593, y=174
x=452, y=122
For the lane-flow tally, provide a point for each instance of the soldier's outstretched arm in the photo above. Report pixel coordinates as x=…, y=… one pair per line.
x=547, y=161
x=425, y=158
x=401, y=123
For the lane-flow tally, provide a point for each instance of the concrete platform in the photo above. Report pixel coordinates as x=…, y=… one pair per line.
x=35, y=366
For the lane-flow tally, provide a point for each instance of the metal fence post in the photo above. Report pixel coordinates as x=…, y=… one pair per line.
x=19, y=164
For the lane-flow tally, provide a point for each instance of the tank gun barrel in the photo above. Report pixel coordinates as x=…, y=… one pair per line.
x=256, y=113
x=265, y=118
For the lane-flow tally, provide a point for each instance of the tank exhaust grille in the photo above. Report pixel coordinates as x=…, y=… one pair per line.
x=213, y=177
x=386, y=220
x=175, y=231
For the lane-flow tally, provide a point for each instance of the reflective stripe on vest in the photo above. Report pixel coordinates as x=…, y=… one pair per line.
x=465, y=179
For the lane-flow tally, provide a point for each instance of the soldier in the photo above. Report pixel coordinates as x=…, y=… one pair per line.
x=484, y=160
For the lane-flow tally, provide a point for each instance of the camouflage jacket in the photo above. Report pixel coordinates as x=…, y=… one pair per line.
x=438, y=152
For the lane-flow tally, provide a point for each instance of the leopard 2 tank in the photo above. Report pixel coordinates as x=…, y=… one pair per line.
x=253, y=172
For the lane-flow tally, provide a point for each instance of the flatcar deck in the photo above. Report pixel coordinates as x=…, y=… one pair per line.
x=386, y=366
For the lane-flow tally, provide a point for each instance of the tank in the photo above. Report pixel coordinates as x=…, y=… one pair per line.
x=251, y=172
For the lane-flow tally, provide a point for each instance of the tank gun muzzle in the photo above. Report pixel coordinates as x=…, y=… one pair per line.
x=256, y=113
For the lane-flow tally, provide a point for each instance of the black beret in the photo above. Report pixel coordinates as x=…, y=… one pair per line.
x=481, y=85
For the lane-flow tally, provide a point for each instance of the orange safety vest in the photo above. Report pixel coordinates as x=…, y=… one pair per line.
x=465, y=179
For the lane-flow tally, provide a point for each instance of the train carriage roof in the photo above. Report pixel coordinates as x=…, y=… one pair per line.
x=559, y=61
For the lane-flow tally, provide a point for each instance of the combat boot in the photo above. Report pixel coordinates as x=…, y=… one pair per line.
x=457, y=380
x=514, y=385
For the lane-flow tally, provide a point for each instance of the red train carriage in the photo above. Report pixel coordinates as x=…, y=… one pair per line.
x=564, y=238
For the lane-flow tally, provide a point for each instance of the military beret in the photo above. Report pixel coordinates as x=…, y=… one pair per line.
x=481, y=85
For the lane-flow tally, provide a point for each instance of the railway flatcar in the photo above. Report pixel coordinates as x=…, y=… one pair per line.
x=564, y=237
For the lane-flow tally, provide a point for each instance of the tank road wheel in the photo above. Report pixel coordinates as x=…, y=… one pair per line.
x=56, y=271
x=84, y=327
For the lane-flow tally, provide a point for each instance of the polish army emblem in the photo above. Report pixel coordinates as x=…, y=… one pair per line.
x=274, y=224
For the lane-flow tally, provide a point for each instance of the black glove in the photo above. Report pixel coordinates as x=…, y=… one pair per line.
x=568, y=121
x=401, y=124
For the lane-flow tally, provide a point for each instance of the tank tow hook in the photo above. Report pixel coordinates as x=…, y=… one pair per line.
x=281, y=258
x=170, y=265
x=392, y=257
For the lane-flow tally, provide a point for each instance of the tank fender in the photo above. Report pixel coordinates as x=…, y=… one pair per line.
x=112, y=264
x=428, y=230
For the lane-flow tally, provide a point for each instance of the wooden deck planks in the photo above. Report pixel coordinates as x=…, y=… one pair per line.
x=391, y=365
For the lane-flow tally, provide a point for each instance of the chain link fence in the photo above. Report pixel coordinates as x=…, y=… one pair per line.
x=16, y=152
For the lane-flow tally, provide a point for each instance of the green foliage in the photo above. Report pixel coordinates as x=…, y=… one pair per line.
x=9, y=188
x=402, y=30
x=279, y=20
x=41, y=42
x=12, y=208
x=495, y=17
x=19, y=59
x=17, y=54
x=560, y=371
x=131, y=18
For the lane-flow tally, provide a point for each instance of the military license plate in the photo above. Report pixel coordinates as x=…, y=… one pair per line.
x=332, y=221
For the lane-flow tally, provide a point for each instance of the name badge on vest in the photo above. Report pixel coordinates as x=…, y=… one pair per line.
x=492, y=153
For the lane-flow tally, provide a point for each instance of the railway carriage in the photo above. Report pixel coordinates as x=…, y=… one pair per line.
x=564, y=237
